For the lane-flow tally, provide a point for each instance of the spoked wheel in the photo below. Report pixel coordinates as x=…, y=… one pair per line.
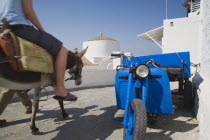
x=137, y=124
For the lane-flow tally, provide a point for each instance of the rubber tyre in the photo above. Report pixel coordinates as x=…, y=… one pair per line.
x=140, y=119
x=188, y=95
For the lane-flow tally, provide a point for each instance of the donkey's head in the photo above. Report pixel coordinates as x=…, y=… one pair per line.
x=75, y=65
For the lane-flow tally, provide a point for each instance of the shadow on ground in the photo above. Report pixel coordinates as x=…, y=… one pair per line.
x=90, y=127
x=80, y=125
x=170, y=124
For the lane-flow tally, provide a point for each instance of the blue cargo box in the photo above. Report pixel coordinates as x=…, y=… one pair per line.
x=174, y=59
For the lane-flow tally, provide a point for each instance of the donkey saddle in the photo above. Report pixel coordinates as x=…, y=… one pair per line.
x=23, y=55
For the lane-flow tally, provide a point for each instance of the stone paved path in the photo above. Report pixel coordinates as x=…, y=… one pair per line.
x=92, y=118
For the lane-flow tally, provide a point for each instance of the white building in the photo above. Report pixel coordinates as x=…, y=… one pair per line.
x=178, y=35
x=99, y=49
x=99, y=52
x=192, y=34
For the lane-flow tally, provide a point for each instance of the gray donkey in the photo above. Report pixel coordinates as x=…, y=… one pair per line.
x=29, y=80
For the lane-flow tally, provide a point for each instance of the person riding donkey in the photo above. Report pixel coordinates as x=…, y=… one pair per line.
x=22, y=19
x=20, y=43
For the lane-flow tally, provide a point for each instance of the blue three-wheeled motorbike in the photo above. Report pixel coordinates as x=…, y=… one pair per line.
x=143, y=88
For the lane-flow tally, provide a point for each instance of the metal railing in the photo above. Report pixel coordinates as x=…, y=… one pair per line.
x=195, y=6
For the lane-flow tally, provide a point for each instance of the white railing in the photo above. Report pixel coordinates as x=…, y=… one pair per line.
x=195, y=6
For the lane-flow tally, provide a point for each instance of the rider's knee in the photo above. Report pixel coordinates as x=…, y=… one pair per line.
x=63, y=50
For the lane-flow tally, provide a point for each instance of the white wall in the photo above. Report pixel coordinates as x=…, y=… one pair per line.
x=93, y=78
x=193, y=34
x=100, y=48
x=100, y=67
x=201, y=81
x=182, y=35
x=116, y=62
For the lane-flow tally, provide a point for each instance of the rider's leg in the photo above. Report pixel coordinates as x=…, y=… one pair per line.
x=60, y=68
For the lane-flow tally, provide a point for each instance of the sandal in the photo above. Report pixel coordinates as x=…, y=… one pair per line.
x=69, y=97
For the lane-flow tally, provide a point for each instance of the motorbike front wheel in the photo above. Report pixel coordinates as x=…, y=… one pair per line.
x=137, y=124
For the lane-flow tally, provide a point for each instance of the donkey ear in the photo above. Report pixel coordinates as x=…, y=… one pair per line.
x=83, y=52
x=75, y=51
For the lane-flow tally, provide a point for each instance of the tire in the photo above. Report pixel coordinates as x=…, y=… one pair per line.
x=188, y=95
x=138, y=119
x=181, y=86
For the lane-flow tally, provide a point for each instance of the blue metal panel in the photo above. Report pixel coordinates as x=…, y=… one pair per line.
x=158, y=94
x=159, y=99
x=121, y=88
x=164, y=60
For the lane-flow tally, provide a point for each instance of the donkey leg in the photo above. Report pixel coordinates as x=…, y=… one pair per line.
x=35, y=130
x=64, y=114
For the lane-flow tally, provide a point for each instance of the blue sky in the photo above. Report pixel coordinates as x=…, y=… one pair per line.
x=75, y=21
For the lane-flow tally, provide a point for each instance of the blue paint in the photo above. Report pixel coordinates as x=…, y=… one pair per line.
x=164, y=60
x=128, y=98
x=138, y=84
x=159, y=98
x=154, y=92
x=145, y=90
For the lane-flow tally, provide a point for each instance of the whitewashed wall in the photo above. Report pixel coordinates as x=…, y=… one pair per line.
x=100, y=67
x=193, y=34
x=182, y=35
x=93, y=78
x=201, y=81
x=100, y=48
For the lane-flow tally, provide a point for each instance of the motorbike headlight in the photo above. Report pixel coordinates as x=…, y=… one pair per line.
x=142, y=71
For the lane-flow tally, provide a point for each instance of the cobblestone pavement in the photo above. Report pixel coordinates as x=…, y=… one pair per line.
x=92, y=118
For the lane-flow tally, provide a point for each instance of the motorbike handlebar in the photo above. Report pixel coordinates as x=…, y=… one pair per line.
x=157, y=64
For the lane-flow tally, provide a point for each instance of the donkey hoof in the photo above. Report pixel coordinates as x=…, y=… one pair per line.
x=65, y=116
x=35, y=131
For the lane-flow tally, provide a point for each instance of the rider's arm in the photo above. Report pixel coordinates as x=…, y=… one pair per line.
x=31, y=15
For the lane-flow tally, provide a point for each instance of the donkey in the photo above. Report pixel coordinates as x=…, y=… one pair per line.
x=28, y=80
x=74, y=66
